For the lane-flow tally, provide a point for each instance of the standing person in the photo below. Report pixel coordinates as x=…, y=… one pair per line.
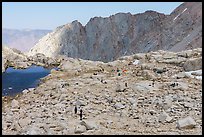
x=75, y=109
x=80, y=114
x=153, y=83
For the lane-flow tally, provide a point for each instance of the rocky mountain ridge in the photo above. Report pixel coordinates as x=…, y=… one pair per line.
x=106, y=39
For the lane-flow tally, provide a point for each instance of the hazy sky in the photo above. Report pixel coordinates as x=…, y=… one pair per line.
x=49, y=15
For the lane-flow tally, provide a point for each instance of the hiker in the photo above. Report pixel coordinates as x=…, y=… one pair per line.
x=153, y=83
x=125, y=84
x=173, y=84
x=80, y=114
x=75, y=109
x=124, y=71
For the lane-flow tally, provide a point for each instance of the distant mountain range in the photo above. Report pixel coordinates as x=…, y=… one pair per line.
x=22, y=40
x=106, y=39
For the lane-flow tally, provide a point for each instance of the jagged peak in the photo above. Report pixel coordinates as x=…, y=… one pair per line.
x=68, y=25
x=75, y=21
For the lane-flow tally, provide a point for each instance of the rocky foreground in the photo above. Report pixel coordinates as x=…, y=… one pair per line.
x=147, y=93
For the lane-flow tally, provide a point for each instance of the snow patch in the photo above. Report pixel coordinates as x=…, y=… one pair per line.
x=197, y=72
x=198, y=77
x=176, y=17
x=184, y=10
x=10, y=88
x=180, y=14
x=136, y=62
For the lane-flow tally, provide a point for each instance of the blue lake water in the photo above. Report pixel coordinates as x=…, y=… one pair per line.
x=16, y=80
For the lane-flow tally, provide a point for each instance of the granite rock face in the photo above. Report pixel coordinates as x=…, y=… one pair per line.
x=106, y=39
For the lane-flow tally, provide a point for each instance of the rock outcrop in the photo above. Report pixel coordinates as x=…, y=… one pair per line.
x=14, y=58
x=106, y=39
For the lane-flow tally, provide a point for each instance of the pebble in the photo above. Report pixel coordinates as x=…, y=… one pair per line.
x=118, y=105
x=164, y=117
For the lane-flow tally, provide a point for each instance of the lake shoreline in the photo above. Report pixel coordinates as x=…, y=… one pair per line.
x=16, y=80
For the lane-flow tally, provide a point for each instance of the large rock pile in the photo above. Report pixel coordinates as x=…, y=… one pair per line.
x=147, y=93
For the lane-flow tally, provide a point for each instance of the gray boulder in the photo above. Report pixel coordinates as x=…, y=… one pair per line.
x=34, y=130
x=119, y=105
x=186, y=123
x=193, y=64
x=15, y=104
x=164, y=117
x=79, y=129
x=89, y=124
x=120, y=87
